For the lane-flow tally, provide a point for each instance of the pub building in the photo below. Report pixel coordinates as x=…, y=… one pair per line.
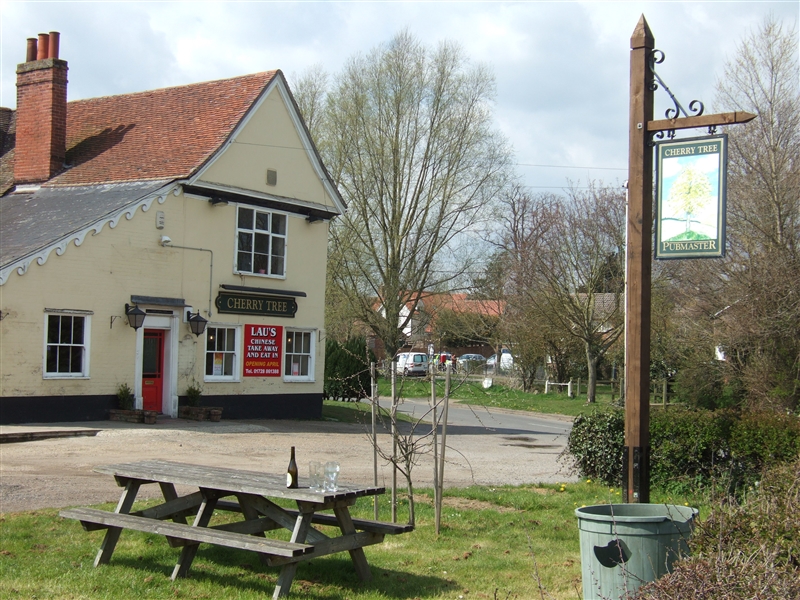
x=160, y=239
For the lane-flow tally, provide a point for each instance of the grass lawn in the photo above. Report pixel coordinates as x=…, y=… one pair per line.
x=352, y=412
x=471, y=391
x=493, y=543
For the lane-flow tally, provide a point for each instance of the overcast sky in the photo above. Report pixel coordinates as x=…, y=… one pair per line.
x=561, y=67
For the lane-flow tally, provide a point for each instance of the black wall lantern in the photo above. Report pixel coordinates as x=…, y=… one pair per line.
x=135, y=316
x=197, y=323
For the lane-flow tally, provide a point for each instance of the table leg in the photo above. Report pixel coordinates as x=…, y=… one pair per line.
x=301, y=528
x=112, y=533
x=169, y=493
x=250, y=514
x=202, y=519
x=357, y=555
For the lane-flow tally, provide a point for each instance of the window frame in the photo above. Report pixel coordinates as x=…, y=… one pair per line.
x=86, y=345
x=237, y=354
x=312, y=354
x=252, y=252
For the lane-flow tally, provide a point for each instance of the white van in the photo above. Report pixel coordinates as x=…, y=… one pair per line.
x=412, y=363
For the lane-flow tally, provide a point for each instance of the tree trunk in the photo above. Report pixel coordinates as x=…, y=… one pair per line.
x=591, y=363
x=411, y=515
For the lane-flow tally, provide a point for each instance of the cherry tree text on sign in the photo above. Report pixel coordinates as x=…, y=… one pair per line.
x=263, y=348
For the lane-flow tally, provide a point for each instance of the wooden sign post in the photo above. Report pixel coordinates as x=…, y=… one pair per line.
x=636, y=454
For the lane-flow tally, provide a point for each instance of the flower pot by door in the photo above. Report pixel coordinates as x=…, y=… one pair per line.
x=153, y=369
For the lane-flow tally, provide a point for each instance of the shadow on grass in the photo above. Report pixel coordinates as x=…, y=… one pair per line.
x=323, y=578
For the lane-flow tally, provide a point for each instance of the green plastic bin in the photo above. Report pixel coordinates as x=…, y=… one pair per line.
x=624, y=546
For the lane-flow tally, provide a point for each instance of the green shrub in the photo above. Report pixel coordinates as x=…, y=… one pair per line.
x=194, y=392
x=759, y=439
x=596, y=442
x=347, y=369
x=125, y=397
x=688, y=447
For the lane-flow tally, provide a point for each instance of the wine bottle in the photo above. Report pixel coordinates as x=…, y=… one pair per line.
x=291, y=472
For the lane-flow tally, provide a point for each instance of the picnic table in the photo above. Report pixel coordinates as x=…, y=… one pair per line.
x=250, y=493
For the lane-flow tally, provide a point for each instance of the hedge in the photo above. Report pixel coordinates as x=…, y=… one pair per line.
x=687, y=446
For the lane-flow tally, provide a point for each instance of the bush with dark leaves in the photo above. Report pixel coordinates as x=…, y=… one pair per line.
x=689, y=448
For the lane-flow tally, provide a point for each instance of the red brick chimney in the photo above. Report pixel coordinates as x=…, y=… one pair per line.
x=41, y=136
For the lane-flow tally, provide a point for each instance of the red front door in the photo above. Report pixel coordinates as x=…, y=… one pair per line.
x=153, y=369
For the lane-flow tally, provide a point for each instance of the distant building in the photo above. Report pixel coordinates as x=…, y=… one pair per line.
x=206, y=201
x=420, y=333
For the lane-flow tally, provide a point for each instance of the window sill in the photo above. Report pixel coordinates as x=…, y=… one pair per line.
x=208, y=379
x=260, y=275
x=63, y=376
x=298, y=380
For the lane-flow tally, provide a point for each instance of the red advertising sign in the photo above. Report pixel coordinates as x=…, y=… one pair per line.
x=263, y=345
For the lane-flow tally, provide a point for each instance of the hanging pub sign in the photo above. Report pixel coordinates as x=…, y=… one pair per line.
x=690, y=197
x=262, y=350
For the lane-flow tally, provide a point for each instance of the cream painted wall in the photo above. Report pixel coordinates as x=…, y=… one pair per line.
x=269, y=140
x=103, y=273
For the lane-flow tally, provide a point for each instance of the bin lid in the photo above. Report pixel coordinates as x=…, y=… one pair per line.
x=636, y=513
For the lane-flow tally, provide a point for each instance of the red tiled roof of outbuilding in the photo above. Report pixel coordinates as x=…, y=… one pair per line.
x=158, y=134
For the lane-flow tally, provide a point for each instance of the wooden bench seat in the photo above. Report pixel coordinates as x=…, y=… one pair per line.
x=324, y=519
x=91, y=518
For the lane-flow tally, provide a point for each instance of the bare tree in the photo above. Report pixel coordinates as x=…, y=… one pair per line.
x=748, y=303
x=409, y=140
x=310, y=91
x=569, y=259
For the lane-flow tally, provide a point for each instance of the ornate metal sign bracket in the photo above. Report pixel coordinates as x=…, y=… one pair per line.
x=677, y=117
x=695, y=106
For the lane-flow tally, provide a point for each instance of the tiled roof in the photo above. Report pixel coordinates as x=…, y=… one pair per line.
x=462, y=303
x=156, y=134
x=159, y=134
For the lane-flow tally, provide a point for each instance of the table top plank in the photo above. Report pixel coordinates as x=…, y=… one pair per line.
x=231, y=480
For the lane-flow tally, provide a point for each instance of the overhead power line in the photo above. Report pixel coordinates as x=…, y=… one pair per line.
x=572, y=167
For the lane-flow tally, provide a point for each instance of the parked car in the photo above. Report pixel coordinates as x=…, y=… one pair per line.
x=412, y=363
x=470, y=362
x=506, y=360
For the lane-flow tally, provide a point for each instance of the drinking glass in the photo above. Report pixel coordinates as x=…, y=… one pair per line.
x=315, y=475
x=331, y=475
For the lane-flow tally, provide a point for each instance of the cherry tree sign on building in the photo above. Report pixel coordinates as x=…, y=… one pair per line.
x=262, y=350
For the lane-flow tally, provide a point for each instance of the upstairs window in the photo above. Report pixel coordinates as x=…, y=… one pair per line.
x=261, y=242
x=66, y=346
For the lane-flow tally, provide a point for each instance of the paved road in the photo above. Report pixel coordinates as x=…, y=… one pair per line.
x=484, y=447
x=465, y=419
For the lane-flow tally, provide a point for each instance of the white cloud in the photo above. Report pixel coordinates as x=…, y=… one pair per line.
x=561, y=67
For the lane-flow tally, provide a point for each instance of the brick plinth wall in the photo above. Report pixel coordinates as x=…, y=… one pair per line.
x=41, y=135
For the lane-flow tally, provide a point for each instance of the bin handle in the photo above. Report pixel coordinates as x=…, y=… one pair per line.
x=615, y=553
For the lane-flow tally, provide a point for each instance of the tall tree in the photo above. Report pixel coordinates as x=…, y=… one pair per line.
x=569, y=257
x=408, y=138
x=748, y=302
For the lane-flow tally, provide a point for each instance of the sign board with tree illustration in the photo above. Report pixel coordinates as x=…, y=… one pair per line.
x=690, y=198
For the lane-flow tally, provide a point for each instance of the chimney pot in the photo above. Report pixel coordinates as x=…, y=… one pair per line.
x=53, y=46
x=44, y=46
x=41, y=115
x=31, y=50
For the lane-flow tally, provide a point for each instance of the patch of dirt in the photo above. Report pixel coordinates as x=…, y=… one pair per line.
x=467, y=504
